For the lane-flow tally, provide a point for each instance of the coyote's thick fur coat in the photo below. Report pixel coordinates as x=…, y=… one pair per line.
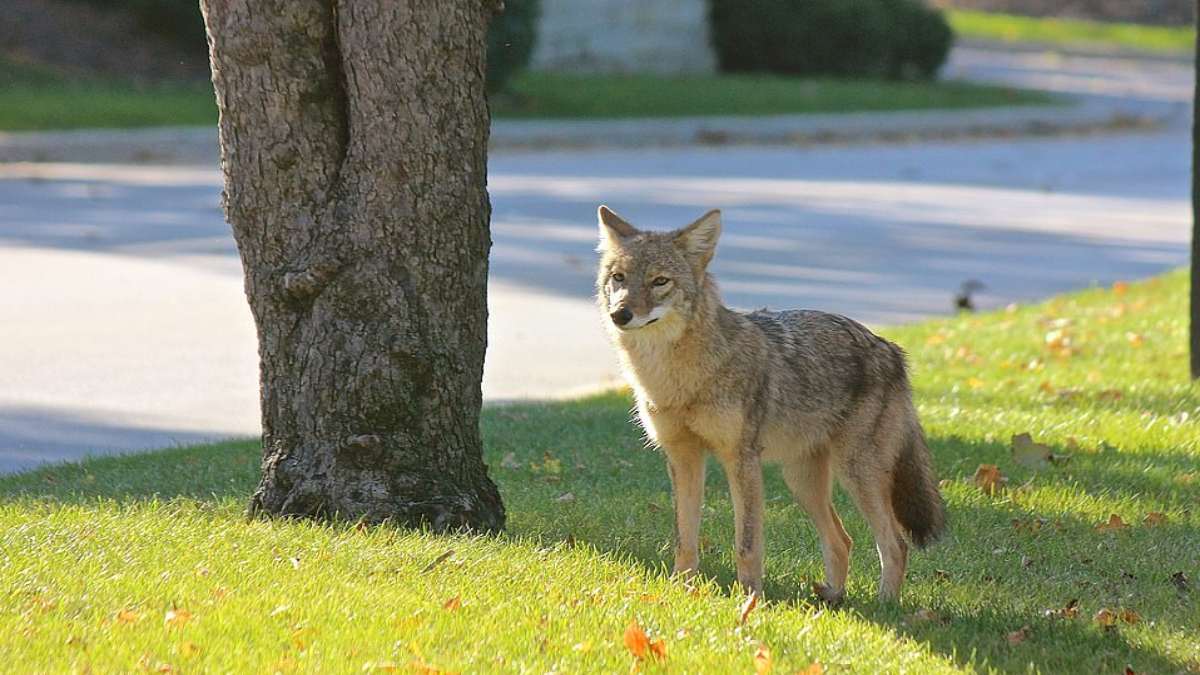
x=817, y=393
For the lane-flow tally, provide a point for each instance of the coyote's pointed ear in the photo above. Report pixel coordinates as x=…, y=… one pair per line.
x=613, y=228
x=699, y=239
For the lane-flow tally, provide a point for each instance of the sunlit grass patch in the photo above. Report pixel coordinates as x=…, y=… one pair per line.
x=148, y=563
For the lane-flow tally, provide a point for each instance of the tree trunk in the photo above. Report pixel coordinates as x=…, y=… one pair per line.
x=1195, y=286
x=354, y=148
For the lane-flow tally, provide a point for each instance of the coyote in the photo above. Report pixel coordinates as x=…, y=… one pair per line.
x=817, y=393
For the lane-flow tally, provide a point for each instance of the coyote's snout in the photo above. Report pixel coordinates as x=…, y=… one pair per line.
x=817, y=393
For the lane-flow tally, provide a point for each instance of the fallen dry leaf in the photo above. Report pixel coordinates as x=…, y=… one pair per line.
x=747, y=606
x=989, y=479
x=922, y=616
x=1129, y=616
x=1111, y=395
x=1135, y=339
x=1154, y=518
x=128, y=616
x=1114, y=524
x=1068, y=611
x=659, y=649
x=437, y=561
x=1181, y=581
x=1105, y=617
x=636, y=641
x=1028, y=453
x=177, y=618
x=814, y=668
x=762, y=660
x=1018, y=636
x=189, y=649
x=453, y=603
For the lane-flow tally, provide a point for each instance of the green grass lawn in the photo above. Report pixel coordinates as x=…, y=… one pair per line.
x=40, y=98
x=1071, y=32
x=148, y=563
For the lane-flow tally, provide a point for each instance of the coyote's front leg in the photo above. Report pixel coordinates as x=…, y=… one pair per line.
x=685, y=464
x=743, y=470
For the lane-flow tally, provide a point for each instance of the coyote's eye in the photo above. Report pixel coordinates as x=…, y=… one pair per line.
x=618, y=277
x=661, y=281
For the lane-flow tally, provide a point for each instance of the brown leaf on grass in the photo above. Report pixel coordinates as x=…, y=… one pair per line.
x=189, y=649
x=1111, y=395
x=453, y=603
x=128, y=616
x=1181, y=581
x=747, y=606
x=1113, y=524
x=1129, y=670
x=814, y=668
x=922, y=616
x=659, y=649
x=1154, y=518
x=636, y=641
x=1135, y=339
x=1028, y=453
x=1129, y=616
x=1106, y=617
x=177, y=618
x=989, y=479
x=437, y=561
x=419, y=667
x=762, y=660
x=640, y=645
x=1068, y=611
x=1018, y=636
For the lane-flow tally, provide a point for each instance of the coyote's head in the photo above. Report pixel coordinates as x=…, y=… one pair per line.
x=652, y=280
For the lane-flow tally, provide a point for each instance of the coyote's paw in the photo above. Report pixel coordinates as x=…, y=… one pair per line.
x=832, y=597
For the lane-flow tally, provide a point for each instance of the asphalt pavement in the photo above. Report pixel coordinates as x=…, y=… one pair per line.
x=123, y=325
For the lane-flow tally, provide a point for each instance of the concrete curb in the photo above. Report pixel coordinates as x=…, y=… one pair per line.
x=198, y=145
x=1083, y=50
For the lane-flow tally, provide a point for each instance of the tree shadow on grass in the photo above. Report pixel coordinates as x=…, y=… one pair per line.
x=988, y=579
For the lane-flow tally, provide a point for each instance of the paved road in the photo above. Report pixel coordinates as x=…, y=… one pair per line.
x=123, y=325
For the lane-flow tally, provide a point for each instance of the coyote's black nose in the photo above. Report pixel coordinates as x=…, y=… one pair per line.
x=621, y=316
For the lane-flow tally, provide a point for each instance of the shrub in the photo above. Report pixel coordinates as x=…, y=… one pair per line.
x=510, y=41
x=844, y=38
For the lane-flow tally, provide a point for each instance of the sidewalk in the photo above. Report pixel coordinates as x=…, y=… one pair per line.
x=198, y=145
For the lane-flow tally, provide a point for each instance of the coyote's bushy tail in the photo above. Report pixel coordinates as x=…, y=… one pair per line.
x=915, y=497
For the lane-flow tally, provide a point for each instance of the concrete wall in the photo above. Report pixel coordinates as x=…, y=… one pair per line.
x=655, y=36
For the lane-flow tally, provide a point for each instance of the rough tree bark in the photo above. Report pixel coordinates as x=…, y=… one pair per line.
x=1195, y=286
x=353, y=143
